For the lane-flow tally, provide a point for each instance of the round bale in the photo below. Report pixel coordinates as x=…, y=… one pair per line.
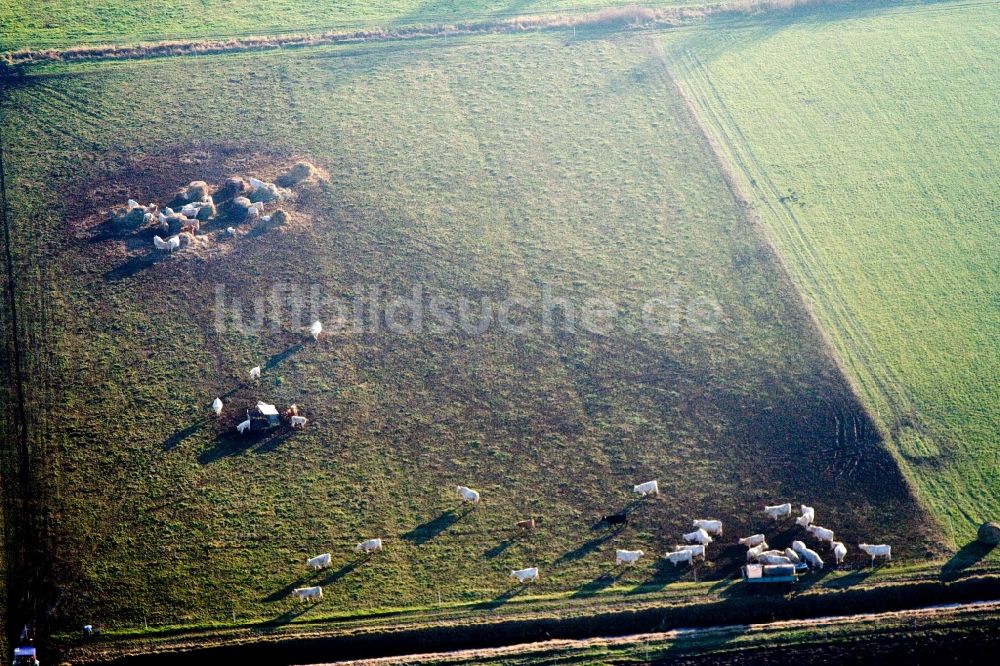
x=239, y=208
x=989, y=533
x=268, y=193
x=280, y=217
x=295, y=174
x=233, y=187
x=206, y=212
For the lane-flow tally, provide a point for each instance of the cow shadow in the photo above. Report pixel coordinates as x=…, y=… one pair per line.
x=585, y=548
x=594, y=587
x=288, y=616
x=178, y=437
x=500, y=599
x=970, y=554
x=853, y=578
x=425, y=532
x=278, y=595
x=498, y=549
x=283, y=355
x=229, y=444
x=134, y=265
x=343, y=571
x=664, y=573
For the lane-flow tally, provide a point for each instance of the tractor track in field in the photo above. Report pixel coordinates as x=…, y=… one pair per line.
x=889, y=388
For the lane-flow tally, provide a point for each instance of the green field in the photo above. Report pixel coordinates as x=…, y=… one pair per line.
x=60, y=23
x=600, y=186
x=805, y=205
x=868, y=147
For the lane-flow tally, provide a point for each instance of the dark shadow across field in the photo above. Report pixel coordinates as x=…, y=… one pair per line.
x=423, y=533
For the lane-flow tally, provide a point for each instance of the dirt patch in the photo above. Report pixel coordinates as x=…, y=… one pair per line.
x=191, y=174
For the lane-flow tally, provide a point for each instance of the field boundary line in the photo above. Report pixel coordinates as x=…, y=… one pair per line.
x=614, y=18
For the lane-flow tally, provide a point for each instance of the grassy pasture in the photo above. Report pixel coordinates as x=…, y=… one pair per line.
x=868, y=147
x=480, y=167
x=58, y=23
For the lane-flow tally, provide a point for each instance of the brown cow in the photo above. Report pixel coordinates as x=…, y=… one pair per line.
x=526, y=525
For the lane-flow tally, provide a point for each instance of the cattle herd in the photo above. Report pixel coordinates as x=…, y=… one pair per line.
x=694, y=548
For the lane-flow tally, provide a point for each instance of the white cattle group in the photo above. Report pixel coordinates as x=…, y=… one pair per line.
x=695, y=548
x=368, y=546
x=713, y=527
x=698, y=536
x=627, y=556
x=308, y=593
x=881, y=550
x=525, y=575
x=646, y=489
x=319, y=562
x=778, y=511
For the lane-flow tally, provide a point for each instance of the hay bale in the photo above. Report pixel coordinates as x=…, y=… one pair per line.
x=297, y=173
x=197, y=190
x=238, y=209
x=207, y=212
x=989, y=533
x=175, y=222
x=270, y=192
x=130, y=220
x=233, y=187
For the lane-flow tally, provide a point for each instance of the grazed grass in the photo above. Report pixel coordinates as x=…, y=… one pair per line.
x=35, y=23
x=474, y=167
x=868, y=145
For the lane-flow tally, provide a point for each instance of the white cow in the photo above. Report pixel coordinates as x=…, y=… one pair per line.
x=881, y=550
x=752, y=540
x=769, y=558
x=799, y=547
x=231, y=231
x=243, y=426
x=308, y=593
x=812, y=558
x=217, y=406
x=713, y=527
x=647, y=488
x=525, y=575
x=299, y=421
x=627, y=556
x=679, y=557
x=168, y=210
x=319, y=562
x=160, y=244
x=173, y=243
x=467, y=494
x=132, y=203
x=255, y=372
x=821, y=533
x=698, y=536
x=778, y=511
x=147, y=218
x=315, y=329
x=256, y=184
x=792, y=555
x=807, y=517
x=756, y=551
x=839, y=551
x=368, y=545
x=696, y=549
